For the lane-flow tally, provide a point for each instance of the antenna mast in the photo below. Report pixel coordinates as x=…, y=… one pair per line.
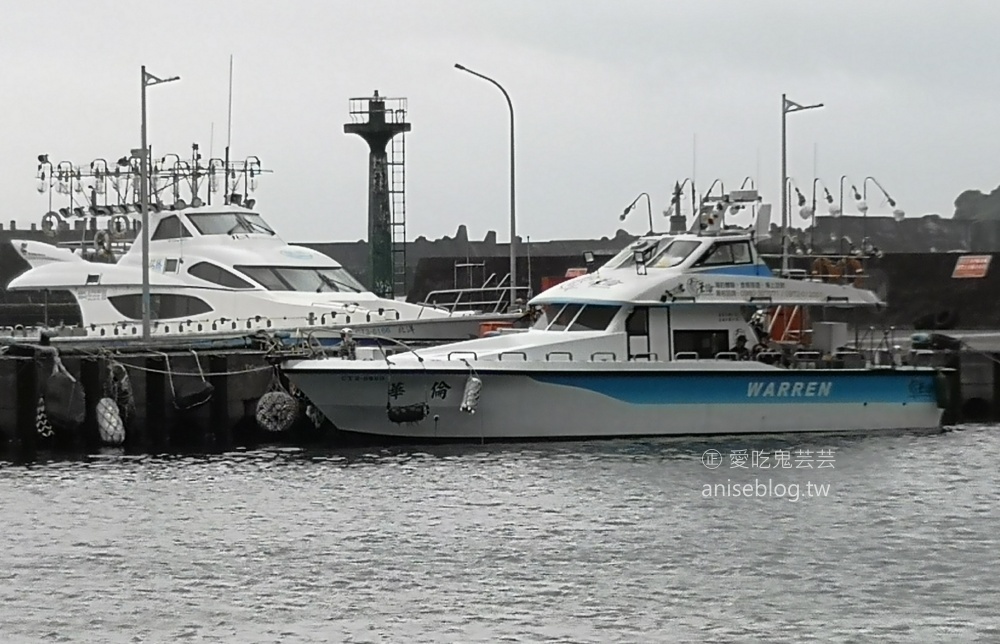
x=229, y=128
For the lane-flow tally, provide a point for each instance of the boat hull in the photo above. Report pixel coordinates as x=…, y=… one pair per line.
x=534, y=404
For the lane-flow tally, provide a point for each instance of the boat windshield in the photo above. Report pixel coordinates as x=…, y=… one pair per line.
x=575, y=317
x=626, y=257
x=316, y=280
x=675, y=253
x=229, y=223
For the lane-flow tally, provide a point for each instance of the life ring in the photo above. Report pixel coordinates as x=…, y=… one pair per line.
x=118, y=226
x=50, y=223
x=102, y=241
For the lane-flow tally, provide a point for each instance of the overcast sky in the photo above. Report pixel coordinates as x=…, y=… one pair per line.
x=612, y=98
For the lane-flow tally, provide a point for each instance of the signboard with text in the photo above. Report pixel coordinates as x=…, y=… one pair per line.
x=971, y=266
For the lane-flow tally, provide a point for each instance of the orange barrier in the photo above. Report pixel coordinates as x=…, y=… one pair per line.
x=788, y=324
x=491, y=328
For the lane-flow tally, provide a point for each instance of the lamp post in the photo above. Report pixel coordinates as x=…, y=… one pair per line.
x=897, y=213
x=143, y=154
x=829, y=201
x=513, y=220
x=787, y=107
x=840, y=209
x=649, y=209
x=804, y=211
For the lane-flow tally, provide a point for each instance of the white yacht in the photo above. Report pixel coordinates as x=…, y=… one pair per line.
x=648, y=344
x=221, y=269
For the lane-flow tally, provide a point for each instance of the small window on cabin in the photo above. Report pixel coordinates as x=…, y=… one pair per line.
x=718, y=254
x=170, y=266
x=218, y=275
x=94, y=279
x=594, y=317
x=170, y=228
x=565, y=317
x=707, y=344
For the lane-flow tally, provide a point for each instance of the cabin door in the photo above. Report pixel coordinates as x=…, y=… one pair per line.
x=637, y=333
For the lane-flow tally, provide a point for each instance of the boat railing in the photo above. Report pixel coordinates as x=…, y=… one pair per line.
x=806, y=359
x=492, y=297
x=644, y=357
x=603, y=356
x=475, y=356
x=727, y=355
x=686, y=355
x=769, y=357
x=524, y=356
x=566, y=355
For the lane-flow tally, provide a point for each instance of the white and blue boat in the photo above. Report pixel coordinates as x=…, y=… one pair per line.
x=647, y=345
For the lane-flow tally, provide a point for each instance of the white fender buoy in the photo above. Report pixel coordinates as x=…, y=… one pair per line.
x=470, y=396
x=276, y=411
x=109, y=422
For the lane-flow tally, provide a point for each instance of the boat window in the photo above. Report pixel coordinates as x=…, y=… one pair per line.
x=638, y=321
x=594, y=317
x=564, y=318
x=229, y=223
x=218, y=275
x=170, y=266
x=727, y=253
x=707, y=344
x=162, y=307
x=170, y=228
x=626, y=257
x=546, y=313
x=675, y=253
x=333, y=279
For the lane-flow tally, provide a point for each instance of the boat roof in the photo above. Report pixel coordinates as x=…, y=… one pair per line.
x=695, y=280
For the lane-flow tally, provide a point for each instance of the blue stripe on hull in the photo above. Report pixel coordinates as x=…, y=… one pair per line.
x=753, y=388
x=745, y=270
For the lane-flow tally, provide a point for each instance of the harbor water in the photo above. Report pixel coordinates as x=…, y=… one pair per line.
x=795, y=538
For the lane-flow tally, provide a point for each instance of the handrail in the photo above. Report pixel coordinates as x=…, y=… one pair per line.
x=603, y=353
x=548, y=356
x=727, y=355
x=650, y=357
x=686, y=355
x=524, y=356
x=474, y=355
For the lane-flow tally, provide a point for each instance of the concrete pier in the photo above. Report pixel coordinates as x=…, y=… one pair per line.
x=222, y=397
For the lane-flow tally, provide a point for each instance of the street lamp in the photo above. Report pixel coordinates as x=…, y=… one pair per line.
x=830, y=208
x=513, y=220
x=649, y=209
x=787, y=107
x=148, y=80
x=840, y=210
x=45, y=177
x=897, y=213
